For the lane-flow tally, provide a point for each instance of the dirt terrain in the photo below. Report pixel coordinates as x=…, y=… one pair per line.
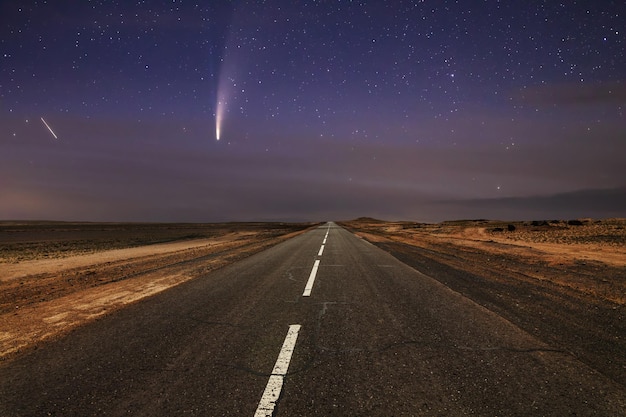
x=562, y=281
x=587, y=256
x=55, y=276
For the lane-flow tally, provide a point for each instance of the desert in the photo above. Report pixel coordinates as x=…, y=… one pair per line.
x=563, y=281
x=584, y=255
x=55, y=276
x=526, y=310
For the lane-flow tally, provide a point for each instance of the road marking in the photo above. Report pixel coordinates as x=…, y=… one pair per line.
x=309, y=284
x=324, y=242
x=275, y=384
x=321, y=251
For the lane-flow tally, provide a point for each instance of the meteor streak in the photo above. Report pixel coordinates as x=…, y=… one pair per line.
x=49, y=128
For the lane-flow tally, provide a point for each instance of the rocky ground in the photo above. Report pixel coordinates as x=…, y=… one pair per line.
x=55, y=276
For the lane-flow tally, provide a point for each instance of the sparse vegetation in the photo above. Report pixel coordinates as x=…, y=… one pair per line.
x=587, y=256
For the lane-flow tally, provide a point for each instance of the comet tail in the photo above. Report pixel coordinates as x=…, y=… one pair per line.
x=219, y=113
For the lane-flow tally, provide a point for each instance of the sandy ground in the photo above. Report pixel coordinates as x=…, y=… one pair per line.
x=53, y=290
x=563, y=282
x=586, y=256
x=9, y=271
x=56, y=277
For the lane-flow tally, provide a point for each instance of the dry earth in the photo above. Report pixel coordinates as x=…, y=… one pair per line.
x=56, y=276
x=563, y=282
x=585, y=256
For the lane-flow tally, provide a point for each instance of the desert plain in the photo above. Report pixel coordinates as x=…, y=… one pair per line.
x=562, y=281
x=55, y=276
x=583, y=256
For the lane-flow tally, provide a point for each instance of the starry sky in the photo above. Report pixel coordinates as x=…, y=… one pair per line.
x=326, y=110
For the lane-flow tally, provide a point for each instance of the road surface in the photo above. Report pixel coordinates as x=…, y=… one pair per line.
x=304, y=330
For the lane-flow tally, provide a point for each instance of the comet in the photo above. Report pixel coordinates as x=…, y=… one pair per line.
x=218, y=119
x=225, y=91
x=49, y=128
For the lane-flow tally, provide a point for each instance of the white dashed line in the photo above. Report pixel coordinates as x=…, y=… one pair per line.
x=275, y=384
x=309, y=284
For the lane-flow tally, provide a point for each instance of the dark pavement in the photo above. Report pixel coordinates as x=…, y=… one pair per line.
x=377, y=338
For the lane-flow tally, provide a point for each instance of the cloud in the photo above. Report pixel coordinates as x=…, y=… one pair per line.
x=595, y=203
x=125, y=170
x=574, y=94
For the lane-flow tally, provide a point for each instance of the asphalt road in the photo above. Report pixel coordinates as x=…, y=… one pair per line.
x=375, y=338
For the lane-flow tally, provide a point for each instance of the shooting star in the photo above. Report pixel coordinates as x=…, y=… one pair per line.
x=49, y=128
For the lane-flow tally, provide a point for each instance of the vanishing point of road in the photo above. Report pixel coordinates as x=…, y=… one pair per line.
x=324, y=324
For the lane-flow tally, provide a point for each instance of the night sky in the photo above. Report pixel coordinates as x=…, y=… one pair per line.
x=326, y=110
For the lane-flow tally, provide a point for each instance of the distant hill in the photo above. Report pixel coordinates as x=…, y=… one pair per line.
x=368, y=220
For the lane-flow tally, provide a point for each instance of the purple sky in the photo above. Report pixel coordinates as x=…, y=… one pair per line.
x=424, y=110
